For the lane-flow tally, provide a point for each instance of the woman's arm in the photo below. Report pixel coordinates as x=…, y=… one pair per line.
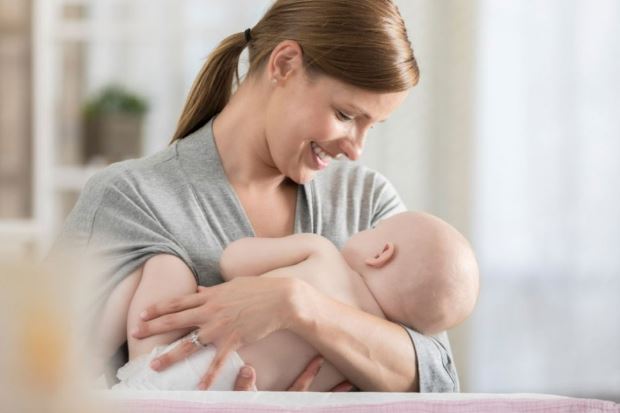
x=374, y=354
x=167, y=265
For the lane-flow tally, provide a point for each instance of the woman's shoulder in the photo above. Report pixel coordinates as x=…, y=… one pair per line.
x=133, y=170
x=119, y=188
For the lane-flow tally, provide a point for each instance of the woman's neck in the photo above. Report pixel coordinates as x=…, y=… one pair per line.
x=239, y=135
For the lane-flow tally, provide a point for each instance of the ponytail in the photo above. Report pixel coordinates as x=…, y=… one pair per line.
x=212, y=88
x=362, y=43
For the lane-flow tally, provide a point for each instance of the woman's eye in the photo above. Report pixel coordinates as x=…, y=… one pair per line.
x=343, y=117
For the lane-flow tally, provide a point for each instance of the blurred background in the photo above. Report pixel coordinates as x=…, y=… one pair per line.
x=512, y=135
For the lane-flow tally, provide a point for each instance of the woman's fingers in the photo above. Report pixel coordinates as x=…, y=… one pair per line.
x=246, y=379
x=344, y=386
x=223, y=351
x=169, y=322
x=174, y=305
x=303, y=382
x=183, y=350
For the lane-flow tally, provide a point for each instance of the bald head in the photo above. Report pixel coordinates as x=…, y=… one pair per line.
x=431, y=283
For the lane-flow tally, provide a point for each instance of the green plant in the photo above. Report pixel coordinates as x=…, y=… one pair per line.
x=115, y=99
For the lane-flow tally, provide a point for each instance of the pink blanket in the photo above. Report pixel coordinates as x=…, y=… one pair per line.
x=565, y=405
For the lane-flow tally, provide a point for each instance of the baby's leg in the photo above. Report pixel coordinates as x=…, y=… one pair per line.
x=163, y=277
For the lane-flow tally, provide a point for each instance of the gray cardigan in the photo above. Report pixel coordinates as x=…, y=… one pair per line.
x=179, y=201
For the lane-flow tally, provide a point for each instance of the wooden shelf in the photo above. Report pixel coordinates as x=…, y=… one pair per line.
x=18, y=227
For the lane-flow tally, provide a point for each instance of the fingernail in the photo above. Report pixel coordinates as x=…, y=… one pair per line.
x=202, y=386
x=348, y=387
x=135, y=332
x=318, y=367
x=143, y=314
x=246, y=372
x=155, y=364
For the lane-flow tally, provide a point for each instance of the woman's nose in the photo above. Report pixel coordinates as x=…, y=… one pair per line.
x=352, y=147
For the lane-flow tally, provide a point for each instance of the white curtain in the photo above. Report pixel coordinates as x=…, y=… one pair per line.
x=547, y=198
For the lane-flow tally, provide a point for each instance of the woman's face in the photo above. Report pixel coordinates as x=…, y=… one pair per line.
x=310, y=122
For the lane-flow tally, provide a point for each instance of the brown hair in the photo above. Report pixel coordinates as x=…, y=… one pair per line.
x=360, y=42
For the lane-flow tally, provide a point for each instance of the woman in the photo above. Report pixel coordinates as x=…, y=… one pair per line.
x=259, y=163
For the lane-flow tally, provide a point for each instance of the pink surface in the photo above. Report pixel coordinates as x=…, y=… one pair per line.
x=422, y=406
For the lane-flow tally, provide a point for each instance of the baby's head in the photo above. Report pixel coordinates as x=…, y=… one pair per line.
x=421, y=270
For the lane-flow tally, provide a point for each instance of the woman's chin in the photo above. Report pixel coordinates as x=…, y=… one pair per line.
x=303, y=177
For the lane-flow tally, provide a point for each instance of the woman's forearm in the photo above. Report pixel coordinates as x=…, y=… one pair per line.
x=372, y=353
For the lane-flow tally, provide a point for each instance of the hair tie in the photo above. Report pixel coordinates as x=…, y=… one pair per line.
x=248, y=35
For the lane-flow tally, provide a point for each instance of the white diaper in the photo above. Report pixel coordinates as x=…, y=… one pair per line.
x=183, y=375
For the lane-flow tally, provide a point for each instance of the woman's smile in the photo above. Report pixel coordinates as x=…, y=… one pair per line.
x=320, y=158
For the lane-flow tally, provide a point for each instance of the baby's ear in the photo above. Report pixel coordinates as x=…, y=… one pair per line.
x=382, y=257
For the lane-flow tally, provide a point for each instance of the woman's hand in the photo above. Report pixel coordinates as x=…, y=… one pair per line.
x=246, y=380
x=305, y=379
x=228, y=315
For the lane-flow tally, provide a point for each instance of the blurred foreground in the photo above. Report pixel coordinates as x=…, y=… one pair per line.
x=43, y=365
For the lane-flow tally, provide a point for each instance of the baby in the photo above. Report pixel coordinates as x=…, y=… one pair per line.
x=412, y=268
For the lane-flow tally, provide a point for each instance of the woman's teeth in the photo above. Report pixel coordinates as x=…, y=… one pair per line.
x=320, y=152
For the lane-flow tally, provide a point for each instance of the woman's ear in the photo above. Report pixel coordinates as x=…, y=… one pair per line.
x=285, y=58
x=383, y=257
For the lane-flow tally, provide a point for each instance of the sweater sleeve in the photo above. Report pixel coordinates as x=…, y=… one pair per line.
x=113, y=222
x=436, y=370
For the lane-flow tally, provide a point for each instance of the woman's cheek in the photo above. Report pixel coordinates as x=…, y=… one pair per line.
x=339, y=130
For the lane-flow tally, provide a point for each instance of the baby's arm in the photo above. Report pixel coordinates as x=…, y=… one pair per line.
x=163, y=277
x=111, y=329
x=256, y=256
